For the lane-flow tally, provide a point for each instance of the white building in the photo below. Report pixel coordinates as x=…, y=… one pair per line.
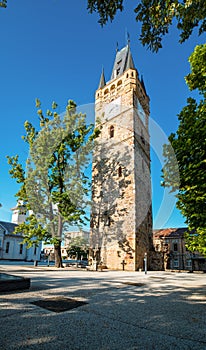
x=11, y=246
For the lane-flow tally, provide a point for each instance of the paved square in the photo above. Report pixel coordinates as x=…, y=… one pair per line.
x=123, y=310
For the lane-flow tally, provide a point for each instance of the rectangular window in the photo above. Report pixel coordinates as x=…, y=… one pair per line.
x=35, y=250
x=21, y=248
x=189, y=263
x=7, y=247
x=176, y=263
x=175, y=247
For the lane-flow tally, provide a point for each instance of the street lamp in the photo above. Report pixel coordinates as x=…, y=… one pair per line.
x=145, y=263
x=95, y=250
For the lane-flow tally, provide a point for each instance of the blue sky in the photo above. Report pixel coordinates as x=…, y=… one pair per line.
x=55, y=50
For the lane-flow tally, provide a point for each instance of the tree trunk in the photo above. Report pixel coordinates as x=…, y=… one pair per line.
x=57, y=254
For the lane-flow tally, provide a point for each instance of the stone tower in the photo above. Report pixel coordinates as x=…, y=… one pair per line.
x=121, y=215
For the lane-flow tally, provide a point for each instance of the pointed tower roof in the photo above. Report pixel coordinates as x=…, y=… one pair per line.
x=102, y=81
x=123, y=61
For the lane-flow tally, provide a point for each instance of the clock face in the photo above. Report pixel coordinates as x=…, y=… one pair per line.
x=113, y=108
x=141, y=112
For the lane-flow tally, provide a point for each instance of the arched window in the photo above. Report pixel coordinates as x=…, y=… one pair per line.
x=111, y=131
x=119, y=82
x=106, y=91
x=112, y=87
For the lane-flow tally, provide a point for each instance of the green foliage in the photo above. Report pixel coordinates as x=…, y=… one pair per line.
x=189, y=146
x=3, y=3
x=78, y=246
x=106, y=9
x=197, y=78
x=33, y=231
x=17, y=172
x=196, y=242
x=53, y=182
x=157, y=16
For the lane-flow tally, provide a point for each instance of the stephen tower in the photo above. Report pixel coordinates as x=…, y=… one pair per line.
x=121, y=215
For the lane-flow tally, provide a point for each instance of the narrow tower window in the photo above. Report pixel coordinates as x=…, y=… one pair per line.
x=120, y=171
x=7, y=247
x=111, y=131
x=21, y=248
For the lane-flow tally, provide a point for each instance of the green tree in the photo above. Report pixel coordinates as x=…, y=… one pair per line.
x=189, y=144
x=54, y=186
x=156, y=16
x=78, y=247
x=3, y=3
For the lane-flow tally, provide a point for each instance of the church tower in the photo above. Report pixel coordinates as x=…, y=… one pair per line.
x=121, y=216
x=19, y=213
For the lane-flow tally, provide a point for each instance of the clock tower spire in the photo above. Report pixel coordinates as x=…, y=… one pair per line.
x=121, y=215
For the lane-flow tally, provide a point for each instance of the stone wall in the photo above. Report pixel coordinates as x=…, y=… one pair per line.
x=121, y=218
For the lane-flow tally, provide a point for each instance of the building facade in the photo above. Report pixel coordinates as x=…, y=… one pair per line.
x=170, y=244
x=81, y=235
x=11, y=246
x=121, y=214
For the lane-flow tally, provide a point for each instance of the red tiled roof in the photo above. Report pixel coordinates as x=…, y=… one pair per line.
x=170, y=232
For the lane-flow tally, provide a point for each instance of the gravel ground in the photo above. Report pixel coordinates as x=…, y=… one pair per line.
x=122, y=310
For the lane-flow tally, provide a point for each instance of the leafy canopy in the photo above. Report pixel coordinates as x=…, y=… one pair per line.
x=3, y=3
x=156, y=16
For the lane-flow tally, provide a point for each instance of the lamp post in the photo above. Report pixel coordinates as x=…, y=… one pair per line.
x=145, y=263
x=95, y=250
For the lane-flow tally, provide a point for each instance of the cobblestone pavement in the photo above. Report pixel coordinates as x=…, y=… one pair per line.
x=122, y=310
